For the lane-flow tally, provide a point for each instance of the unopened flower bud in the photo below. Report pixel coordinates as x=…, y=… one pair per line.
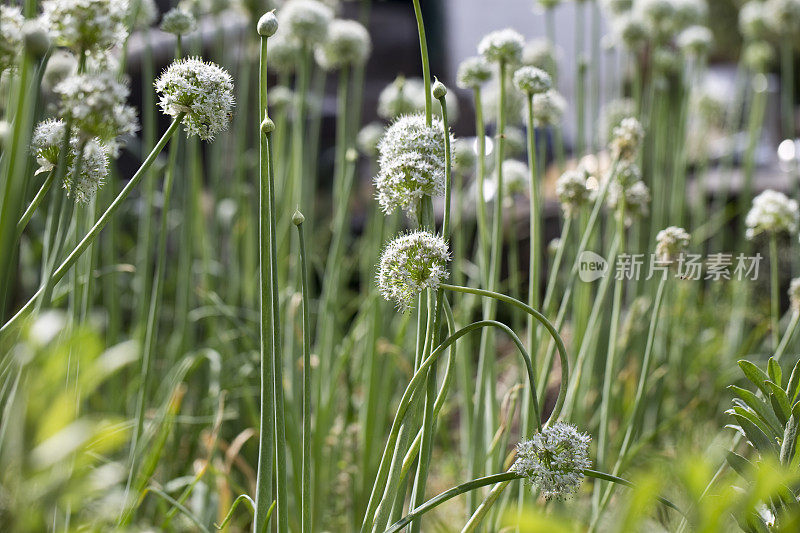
x=37, y=42
x=439, y=90
x=267, y=126
x=298, y=218
x=267, y=24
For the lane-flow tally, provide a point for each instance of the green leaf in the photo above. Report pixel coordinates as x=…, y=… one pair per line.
x=742, y=466
x=754, y=418
x=757, y=376
x=783, y=408
x=760, y=407
x=788, y=441
x=774, y=370
x=757, y=438
x=794, y=383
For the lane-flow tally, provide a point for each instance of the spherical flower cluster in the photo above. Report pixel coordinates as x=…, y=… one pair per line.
x=540, y=53
x=516, y=142
x=554, y=460
x=532, y=80
x=48, y=137
x=473, y=72
x=284, y=52
x=514, y=104
x=636, y=198
x=783, y=15
x=695, y=40
x=96, y=104
x=86, y=25
x=612, y=114
x=412, y=163
x=548, y=108
x=516, y=177
x=658, y=14
x=396, y=99
x=306, y=21
x=671, y=243
x=368, y=138
x=502, y=46
x=753, y=21
x=772, y=212
x=626, y=139
x=11, y=21
x=348, y=44
x=794, y=295
x=617, y=7
x=410, y=264
x=464, y=156
x=571, y=190
x=178, y=22
x=758, y=55
x=631, y=31
x=280, y=97
x=203, y=91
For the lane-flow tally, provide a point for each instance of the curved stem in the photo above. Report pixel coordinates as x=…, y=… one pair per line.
x=98, y=226
x=562, y=351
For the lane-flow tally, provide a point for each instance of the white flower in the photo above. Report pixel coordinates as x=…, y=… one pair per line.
x=412, y=163
x=284, y=52
x=368, y=138
x=753, y=21
x=611, y=114
x=61, y=65
x=96, y=104
x=784, y=16
x=794, y=295
x=410, y=264
x=306, y=21
x=348, y=44
x=671, y=243
x=502, y=46
x=695, y=40
x=516, y=177
x=757, y=55
x=464, y=156
x=631, y=30
x=554, y=460
x=92, y=174
x=635, y=196
x=11, y=21
x=203, y=91
x=46, y=143
x=772, y=212
x=473, y=72
x=571, y=190
x=532, y=80
x=540, y=53
x=146, y=13
x=626, y=139
x=548, y=108
x=178, y=22
x=406, y=96
x=514, y=103
x=87, y=25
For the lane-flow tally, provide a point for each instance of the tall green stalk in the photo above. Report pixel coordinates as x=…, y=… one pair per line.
x=305, y=499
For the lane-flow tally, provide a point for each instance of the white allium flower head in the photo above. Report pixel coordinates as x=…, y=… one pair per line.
x=46, y=143
x=772, y=212
x=516, y=177
x=532, y=80
x=548, y=108
x=516, y=142
x=61, y=65
x=397, y=99
x=695, y=40
x=410, y=264
x=306, y=21
x=347, y=44
x=92, y=173
x=284, y=52
x=473, y=72
x=657, y=13
x=794, y=295
x=631, y=30
x=177, y=21
x=280, y=97
x=671, y=243
x=689, y=12
x=11, y=21
x=572, y=191
x=86, y=25
x=540, y=53
x=611, y=114
x=636, y=198
x=412, y=162
x=626, y=139
x=96, y=102
x=758, y=55
x=502, y=45
x=783, y=15
x=554, y=459
x=368, y=138
x=753, y=21
x=203, y=91
x=146, y=13
x=464, y=156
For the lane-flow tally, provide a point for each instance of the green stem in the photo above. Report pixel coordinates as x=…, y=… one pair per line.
x=26, y=216
x=774, y=281
x=59, y=273
x=305, y=500
x=426, y=67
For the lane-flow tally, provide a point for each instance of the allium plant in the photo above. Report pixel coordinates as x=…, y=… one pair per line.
x=87, y=25
x=772, y=212
x=11, y=21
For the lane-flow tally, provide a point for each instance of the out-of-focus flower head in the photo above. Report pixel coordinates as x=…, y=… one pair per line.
x=177, y=21
x=540, y=53
x=548, y=108
x=671, y=243
x=306, y=21
x=368, y=138
x=347, y=44
x=626, y=139
x=772, y=212
x=473, y=72
x=86, y=25
x=532, y=80
x=695, y=41
x=11, y=21
x=502, y=46
x=572, y=191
